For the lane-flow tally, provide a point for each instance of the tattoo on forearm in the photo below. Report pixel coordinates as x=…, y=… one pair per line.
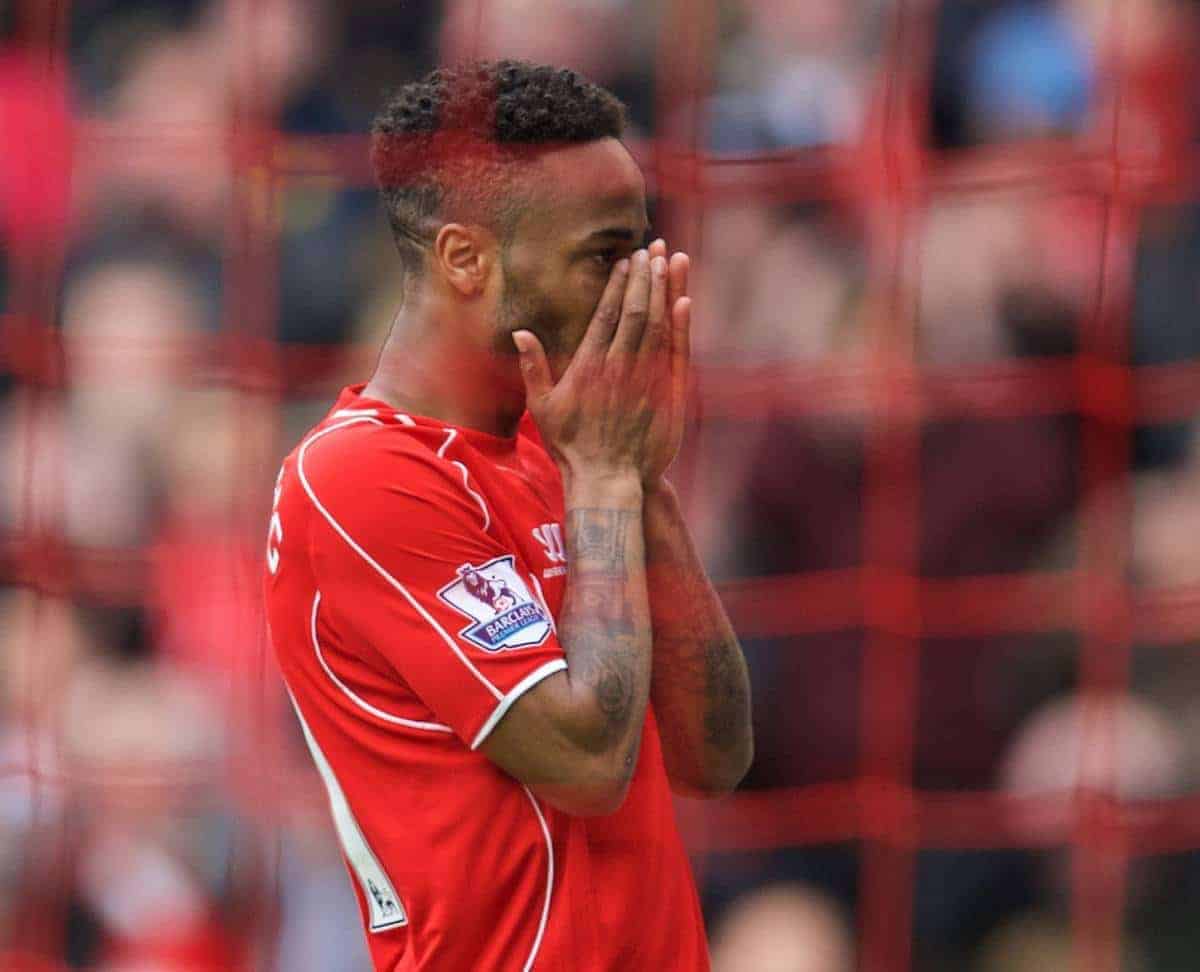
x=725, y=702
x=704, y=676
x=599, y=535
x=613, y=681
x=609, y=635
x=700, y=684
x=604, y=660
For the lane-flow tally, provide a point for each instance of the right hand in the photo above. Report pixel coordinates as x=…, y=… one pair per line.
x=598, y=418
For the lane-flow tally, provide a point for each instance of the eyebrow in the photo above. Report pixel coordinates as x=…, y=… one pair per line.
x=622, y=233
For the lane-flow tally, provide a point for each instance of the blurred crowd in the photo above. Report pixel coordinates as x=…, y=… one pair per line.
x=174, y=316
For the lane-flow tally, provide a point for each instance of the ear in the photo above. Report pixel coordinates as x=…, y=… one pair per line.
x=464, y=254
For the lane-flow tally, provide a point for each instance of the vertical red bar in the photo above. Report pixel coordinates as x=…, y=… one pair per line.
x=1100, y=842
x=687, y=55
x=33, y=352
x=686, y=61
x=255, y=368
x=893, y=162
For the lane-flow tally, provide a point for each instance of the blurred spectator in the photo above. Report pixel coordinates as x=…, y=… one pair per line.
x=775, y=288
x=179, y=186
x=792, y=75
x=1030, y=74
x=152, y=854
x=782, y=928
x=1019, y=69
x=1166, y=518
x=1112, y=743
x=609, y=41
x=130, y=330
x=1038, y=944
x=1129, y=748
x=106, y=36
x=204, y=586
x=40, y=640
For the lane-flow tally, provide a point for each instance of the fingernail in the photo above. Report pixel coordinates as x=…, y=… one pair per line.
x=622, y=266
x=641, y=256
x=659, y=265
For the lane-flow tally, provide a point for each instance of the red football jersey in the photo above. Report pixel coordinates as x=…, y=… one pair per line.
x=414, y=573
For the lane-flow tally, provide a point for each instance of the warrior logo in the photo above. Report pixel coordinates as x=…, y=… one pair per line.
x=504, y=614
x=550, y=536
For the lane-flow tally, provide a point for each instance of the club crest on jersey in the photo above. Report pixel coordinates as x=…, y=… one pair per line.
x=504, y=614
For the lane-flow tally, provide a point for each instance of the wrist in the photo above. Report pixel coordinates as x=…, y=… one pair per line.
x=602, y=487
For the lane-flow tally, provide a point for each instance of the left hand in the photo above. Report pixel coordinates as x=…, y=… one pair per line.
x=666, y=431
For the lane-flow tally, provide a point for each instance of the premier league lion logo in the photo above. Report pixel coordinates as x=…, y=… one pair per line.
x=504, y=614
x=492, y=591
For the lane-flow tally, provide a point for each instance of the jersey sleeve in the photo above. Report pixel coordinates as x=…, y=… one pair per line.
x=404, y=560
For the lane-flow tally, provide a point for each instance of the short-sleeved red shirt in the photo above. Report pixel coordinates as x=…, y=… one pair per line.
x=414, y=573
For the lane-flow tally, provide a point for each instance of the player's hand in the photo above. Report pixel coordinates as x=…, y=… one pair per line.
x=666, y=433
x=600, y=417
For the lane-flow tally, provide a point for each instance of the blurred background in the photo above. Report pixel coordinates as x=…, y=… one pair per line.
x=942, y=459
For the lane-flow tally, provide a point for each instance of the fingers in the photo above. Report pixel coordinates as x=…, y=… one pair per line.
x=635, y=310
x=678, y=265
x=607, y=314
x=677, y=275
x=681, y=338
x=535, y=369
x=657, y=335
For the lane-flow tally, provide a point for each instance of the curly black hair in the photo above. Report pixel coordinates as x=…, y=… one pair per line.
x=447, y=146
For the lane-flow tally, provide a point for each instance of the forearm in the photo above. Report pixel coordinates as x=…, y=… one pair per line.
x=604, y=625
x=700, y=686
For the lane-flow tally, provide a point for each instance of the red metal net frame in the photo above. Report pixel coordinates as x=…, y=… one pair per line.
x=890, y=177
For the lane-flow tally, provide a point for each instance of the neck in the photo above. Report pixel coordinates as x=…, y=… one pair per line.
x=432, y=365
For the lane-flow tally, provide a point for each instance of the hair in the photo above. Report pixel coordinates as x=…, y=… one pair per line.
x=450, y=146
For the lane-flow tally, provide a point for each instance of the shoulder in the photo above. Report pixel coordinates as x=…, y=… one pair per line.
x=362, y=443
x=366, y=467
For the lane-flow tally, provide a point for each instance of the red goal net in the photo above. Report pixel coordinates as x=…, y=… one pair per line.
x=940, y=459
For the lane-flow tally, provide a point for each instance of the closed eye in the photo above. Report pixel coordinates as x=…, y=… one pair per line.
x=606, y=257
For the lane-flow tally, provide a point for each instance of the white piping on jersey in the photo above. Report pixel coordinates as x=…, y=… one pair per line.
x=537, y=941
x=545, y=670
x=450, y=434
x=523, y=686
x=545, y=604
x=360, y=702
x=451, y=643
x=373, y=880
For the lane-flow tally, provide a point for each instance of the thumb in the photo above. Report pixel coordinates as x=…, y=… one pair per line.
x=535, y=369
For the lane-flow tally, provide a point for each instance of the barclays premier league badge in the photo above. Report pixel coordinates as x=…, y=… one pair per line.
x=504, y=614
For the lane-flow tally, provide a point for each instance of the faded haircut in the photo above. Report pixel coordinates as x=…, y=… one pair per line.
x=451, y=145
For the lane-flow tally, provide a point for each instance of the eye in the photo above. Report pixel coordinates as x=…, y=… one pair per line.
x=604, y=259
